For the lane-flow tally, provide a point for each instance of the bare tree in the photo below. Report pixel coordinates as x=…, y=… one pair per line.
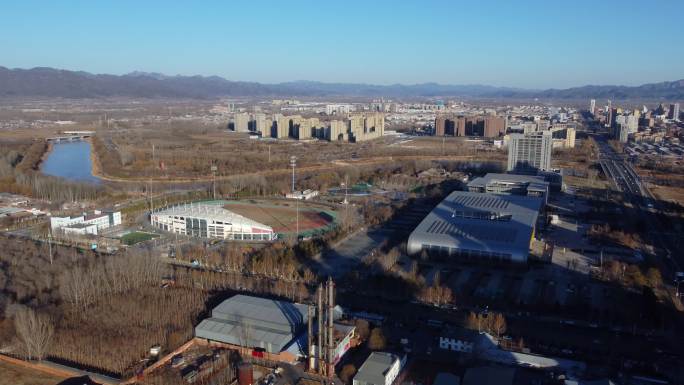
x=499, y=324
x=34, y=331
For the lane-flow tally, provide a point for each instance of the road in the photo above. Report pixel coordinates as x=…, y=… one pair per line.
x=621, y=173
x=627, y=181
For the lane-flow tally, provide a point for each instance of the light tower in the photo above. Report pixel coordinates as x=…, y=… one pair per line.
x=293, y=164
x=213, y=180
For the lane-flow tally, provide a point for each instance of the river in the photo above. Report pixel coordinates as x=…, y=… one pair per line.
x=71, y=161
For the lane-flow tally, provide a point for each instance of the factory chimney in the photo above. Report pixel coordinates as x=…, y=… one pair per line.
x=331, y=335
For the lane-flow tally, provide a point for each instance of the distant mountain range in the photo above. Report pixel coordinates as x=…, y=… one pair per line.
x=50, y=82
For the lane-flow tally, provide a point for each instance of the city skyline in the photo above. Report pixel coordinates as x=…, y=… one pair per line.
x=530, y=45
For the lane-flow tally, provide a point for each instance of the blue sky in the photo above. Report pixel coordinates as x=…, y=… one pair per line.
x=518, y=43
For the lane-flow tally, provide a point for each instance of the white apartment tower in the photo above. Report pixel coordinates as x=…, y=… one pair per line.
x=530, y=152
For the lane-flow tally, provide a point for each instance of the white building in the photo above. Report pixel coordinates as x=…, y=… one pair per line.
x=302, y=195
x=380, y=368
x=530, y=151
x=210, y=221
x=456, y=345
x=83, y=224
x=338, y=109
x=80, y=229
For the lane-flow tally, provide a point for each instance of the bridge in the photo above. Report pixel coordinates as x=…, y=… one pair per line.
x=68, y=138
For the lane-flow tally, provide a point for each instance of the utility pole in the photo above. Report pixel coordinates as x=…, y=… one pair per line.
x=297, y=205
x=346, y=202
x=50, y=245
x=269, y=153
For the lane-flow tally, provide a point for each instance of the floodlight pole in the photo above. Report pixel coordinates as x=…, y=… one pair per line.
x=293, y=163
x=213, y=180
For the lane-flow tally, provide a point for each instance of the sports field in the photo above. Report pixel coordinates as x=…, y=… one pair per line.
x=137, y=237
x=282, y=216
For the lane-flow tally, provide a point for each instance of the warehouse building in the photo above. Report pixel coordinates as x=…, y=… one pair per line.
x=478, y=225
x=210, y=221
x=270, y=329
x=380, y=368
x=511, y=184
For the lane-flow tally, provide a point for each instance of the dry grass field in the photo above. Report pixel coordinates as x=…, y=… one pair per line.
x=283, y=217
x=16, y=375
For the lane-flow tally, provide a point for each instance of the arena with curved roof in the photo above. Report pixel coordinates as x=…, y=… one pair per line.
x=210, y=221
x=478, y=225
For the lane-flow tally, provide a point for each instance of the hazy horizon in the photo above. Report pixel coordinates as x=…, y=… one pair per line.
x=530, y=44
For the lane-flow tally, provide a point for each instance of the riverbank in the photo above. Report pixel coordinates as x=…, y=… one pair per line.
x=44, y=156
x=95, y=166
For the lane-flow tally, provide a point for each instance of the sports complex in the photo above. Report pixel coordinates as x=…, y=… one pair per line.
x=248, y=220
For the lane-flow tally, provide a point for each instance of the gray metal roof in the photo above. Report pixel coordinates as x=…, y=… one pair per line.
x=479, y=222
x=375, y=367
x=489, y=375
x=255, y=322
x=534, y=182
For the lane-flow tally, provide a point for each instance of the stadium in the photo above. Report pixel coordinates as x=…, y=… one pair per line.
x=245, y=220
x=285, y=217
x=210, y=221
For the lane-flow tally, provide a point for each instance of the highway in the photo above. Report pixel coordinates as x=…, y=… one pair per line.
x=621, y=173
x=626, y=180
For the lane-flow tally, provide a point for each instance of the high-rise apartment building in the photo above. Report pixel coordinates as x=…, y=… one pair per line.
x=282, y=130
x=592, y=106
x=440, y=125
x=674, y=111
x=609, y=114
x=261, y=124
x=530, y=152
x=485, y=126
x=494, y=126
x=241, y=122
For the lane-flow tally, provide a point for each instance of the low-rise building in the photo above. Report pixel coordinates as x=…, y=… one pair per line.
x=511, y=184
x=302, y=195
x=380, y=368
x=81, y=224
x=265, y=328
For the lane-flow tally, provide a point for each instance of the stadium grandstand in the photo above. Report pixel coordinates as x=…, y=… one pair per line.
x=210, y=221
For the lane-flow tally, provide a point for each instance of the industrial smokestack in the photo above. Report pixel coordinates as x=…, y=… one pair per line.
x=331, y=334
x=320, y=340
x=309, y=339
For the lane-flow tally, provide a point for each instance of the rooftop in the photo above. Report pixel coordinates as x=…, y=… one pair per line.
x=375, y=368
x=210, y=212
x=480, y=221
x=489, y=375
x=533, y=181
x=252, y=321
